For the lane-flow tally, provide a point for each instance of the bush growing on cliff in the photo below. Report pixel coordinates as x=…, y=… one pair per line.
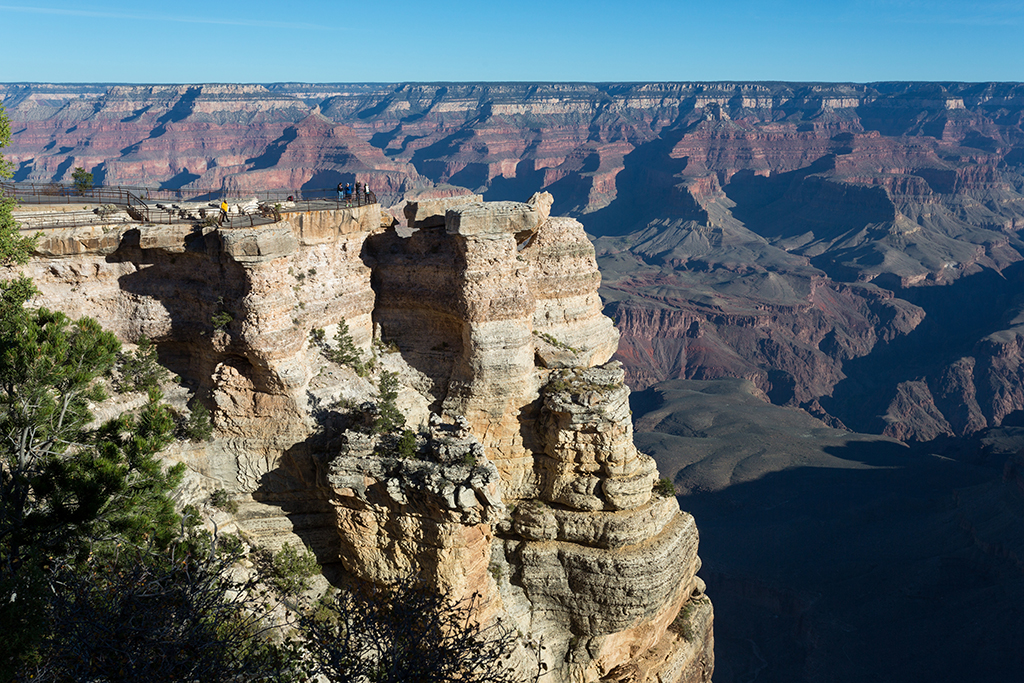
x=344, y=351
x=407, y=444
x=197, y=426
x=223, y=500
x=389, y=417
x=221, y=319
x=140, y=370
x=683, y=623
x=665, y=487
x=288, y=570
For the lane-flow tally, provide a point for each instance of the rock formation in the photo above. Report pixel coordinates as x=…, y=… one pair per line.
x=778, y=232
x=526, y=490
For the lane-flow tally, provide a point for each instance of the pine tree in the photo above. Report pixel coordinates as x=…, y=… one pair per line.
x=67, y=492
x=389, y=417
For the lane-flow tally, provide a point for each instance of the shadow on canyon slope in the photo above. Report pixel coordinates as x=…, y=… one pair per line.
x=297, y=486
x=958, y=316
x=802, y=202
x=832, y=556
x=191, y=285
x=648, y=188
x=271, y=156
x=856, y=575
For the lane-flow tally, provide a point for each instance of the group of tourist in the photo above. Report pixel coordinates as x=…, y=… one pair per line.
x=361, y=191
x=346, y=191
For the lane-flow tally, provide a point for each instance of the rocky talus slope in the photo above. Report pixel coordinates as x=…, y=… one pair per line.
x=525, y=489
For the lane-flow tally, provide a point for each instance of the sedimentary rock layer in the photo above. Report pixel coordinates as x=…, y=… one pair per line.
x=525, y=490
x=784, y=199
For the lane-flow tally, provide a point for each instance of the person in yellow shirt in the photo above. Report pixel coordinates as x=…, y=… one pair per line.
x=223, y=212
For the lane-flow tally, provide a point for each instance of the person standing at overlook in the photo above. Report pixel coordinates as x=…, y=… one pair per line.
x=223, y=212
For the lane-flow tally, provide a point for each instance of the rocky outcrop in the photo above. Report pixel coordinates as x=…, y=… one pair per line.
x=587, y=434
x=523, y=486
x=474, y=305
x=230, y=312
x=434, y=515
x=601, y=556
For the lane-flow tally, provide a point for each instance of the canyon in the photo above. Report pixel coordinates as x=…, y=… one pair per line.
x=784, y=233
x=817, y=292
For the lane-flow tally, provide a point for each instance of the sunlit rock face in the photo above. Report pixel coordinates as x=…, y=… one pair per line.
x=524, y=489
x=483, y=306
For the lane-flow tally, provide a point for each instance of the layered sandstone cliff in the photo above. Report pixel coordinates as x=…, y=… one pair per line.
x=526, y=488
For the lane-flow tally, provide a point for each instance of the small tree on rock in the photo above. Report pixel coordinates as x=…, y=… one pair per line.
x=141, y=371
x=82, y=180
x=389, y=417
x=344, y=351
x=197, y=426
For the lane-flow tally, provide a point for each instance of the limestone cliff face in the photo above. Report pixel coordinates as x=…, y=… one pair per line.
x=527, y=490
x=254, y=372
x=272, y=283
x=477, y=304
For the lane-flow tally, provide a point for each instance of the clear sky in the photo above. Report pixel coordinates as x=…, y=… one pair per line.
x=256, y=41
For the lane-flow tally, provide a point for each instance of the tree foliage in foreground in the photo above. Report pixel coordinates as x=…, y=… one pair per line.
x=62, y=483
x=180, y=614
x=404, y=633
x=66, y=491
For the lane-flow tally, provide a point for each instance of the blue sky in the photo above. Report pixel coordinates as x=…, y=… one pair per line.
x=529, y=40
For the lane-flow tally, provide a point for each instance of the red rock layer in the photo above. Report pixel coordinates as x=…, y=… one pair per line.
x=711, y=186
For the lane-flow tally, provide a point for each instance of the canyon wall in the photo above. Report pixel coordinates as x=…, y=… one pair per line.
x=526, y=490
x=784, y=233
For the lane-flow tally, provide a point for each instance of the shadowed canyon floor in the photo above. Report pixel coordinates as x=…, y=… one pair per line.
x=841, y=557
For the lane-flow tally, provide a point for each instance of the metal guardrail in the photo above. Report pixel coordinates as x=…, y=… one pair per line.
x=61, y=193
x=55, y=193
x=67, y=219
x=141, y=205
